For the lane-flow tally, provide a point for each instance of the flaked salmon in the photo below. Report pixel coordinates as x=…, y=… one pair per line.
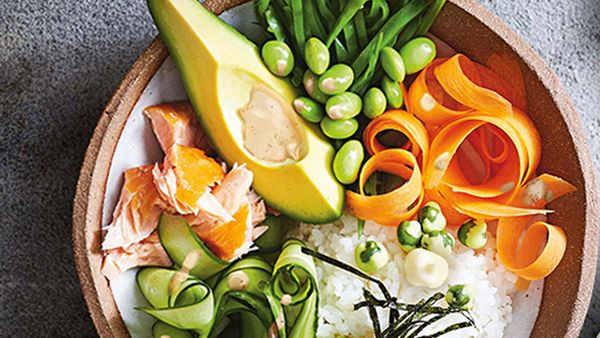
x=176, y=123
x=136, y=214
x=148, y=252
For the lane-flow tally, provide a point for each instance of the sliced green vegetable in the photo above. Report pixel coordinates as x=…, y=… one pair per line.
x=294, y=285
x=160, y=330
x=189, y=301
x=273, y=239
x=297, y=23
x=377, y=15
x=350, y=9
x=179, y=241
x=366, y=77
x=429, y=17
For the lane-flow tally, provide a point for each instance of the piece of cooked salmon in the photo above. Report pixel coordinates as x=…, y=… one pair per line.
x=136, y=214
x=176, y=123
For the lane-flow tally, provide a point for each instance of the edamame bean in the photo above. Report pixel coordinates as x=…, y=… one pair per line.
x=392, y=64
x=336, y=80
x=309, y=109
x=310, y=85
x=417, y=54
x=374, y=103
x=278, y=57
x=343, y=106
x=347, y=161
x=392, y=91
x=316, y=56
x=338, y=129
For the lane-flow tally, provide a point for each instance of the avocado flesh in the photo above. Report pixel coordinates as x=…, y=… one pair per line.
x=219, y=68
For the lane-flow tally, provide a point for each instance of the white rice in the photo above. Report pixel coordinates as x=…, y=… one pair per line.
x=339, y=290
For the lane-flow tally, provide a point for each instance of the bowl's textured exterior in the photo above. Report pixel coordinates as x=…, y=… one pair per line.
x=469, y=28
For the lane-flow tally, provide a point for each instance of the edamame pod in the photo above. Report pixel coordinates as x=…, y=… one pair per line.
x=278, y=57
x=339, y=129
x=316, y=56
x=347, y=162
x=343, y=106
x=309, y=109
x=310, y=82
x=374, y=103
x=392, y=64
x=336, y=80
x=417, y=54
x=392, y=91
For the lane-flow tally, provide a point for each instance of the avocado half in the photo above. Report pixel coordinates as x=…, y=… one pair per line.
x=220, y=67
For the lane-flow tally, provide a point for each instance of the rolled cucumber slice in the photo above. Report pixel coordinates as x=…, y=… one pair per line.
x=179, y=240
x=160, y=330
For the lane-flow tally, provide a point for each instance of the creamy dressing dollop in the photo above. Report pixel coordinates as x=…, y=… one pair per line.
x=271, y=129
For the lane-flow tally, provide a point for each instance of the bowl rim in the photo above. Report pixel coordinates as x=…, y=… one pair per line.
x=91, y=186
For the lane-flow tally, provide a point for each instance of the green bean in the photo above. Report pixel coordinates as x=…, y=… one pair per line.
x=392, y=64
x=345, y=16
x=347, y=161
x=310, y=81
x=392, y=91
x=374, y=103
x=430, y=16
x=313, y=21
x=365, y=78
x=390, y=31
x=417, y=54
x=309, y=109
x=375, y=23
x=278, y=57
x=338, y=129
x=316, y=56
x=409, y=32
x=274, y=25
x=343, y=106
x=351, y=39
x=336, y=80
x=325, y=12
x=361, y=29
x=298, y=23
x=341, y=52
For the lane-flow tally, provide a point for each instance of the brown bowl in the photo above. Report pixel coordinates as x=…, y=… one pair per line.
x=469, y=28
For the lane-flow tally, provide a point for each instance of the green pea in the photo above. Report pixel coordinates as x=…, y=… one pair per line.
x=392, y=91
x=316, y=56
x=432, y=218
x=338, y=129
x=409, y=235
x=371, y=256
x=439, y=242
x=392, y=64
x=417, y=54
x=309, y=109
x=343, y=106
x=473, y=234
x=460, y=296
x=278, y=57
x=336, y=80
x=374, y=103
x=347, y=162
x=310, y=81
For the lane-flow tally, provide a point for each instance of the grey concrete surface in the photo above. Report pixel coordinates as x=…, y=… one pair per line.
x=59, y=63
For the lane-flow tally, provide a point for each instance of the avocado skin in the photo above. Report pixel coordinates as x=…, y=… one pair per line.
x=218, y=67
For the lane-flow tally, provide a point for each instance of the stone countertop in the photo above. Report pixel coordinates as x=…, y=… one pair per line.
x=59, y=63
